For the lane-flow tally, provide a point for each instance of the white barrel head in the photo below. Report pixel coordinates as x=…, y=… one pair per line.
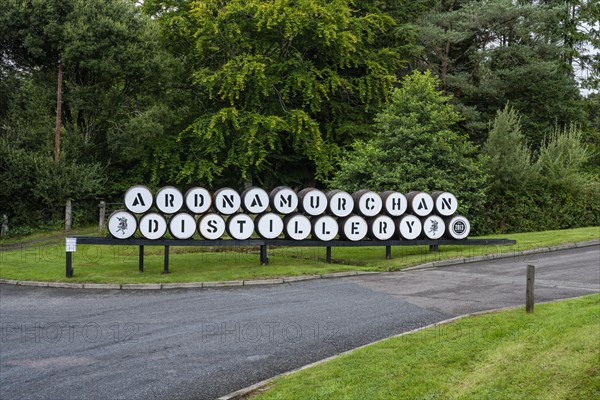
x=394, y=203
x=420, y=203
x=353, y=228
x=169, y=200
x=324, y=227
x=240, y=226
x=445, y=203
x=433, y=227
x=122, y=224
x=381, y=227
x=457, y=227
x=138, y=199
x=198, y=200
x=153, y=226
x=227, y=201
x=255, y=200
x=283, y=200
x=340, y=204
x=312, y=201
x=409, y=227
x=367, y=203
x=182, y=226
x=268, y=225
x=297, y=226
x=211, y=226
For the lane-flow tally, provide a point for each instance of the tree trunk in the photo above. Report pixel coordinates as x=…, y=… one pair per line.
x=58, y=114
x=68, y=215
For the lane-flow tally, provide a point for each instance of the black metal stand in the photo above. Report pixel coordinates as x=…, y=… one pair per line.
x=264, y=243
x=69, y=265
x=264, y=257
x=141, y=258
x=166, y=269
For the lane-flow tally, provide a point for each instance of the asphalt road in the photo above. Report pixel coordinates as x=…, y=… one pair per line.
x=200, y=344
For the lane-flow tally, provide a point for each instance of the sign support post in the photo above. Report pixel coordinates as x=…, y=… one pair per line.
x=70, y=247
x=141, y=258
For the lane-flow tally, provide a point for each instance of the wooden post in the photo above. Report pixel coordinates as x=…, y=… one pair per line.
x=328, y=254
x=529, y=295
x=102, y=216
x=68, y=215
x=58, y=113
x=388, y=252
x=4, y=228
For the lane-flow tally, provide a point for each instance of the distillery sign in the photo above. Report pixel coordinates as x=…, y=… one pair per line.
x=307, y=214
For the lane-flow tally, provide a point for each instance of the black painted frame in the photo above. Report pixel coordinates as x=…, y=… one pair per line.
x=264, y=243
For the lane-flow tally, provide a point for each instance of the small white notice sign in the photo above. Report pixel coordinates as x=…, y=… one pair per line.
x=71, y=245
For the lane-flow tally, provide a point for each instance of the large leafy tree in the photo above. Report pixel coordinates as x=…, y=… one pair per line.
x=491, y=52
x=416, y=147
x=103, y=56
x=283, y=84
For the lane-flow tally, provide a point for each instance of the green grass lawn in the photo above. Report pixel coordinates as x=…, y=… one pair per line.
x=45, y=261
x=551, y=354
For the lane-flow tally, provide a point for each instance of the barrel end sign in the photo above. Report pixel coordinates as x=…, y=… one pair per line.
x=285, y=213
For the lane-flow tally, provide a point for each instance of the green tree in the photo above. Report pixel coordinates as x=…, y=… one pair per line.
x=283, y=85
x=494, y=51
x=512, y=178
x=111, y=118
x=416, y=147
x=553, y=191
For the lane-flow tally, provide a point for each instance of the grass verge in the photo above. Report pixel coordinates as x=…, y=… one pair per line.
x=551, y=354
x=42, y=261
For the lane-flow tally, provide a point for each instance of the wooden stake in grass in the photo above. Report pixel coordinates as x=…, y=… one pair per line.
x=529, y=297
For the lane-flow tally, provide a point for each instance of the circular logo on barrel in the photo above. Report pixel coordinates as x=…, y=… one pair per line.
x=269, y=225
x=297, y=227
x=240, y=226
x=122, y=224
x=182, y=226
x=169, y=200
x=433, y=227
x=198, y=200
x=211, y=226
x=138, y=199
x=153, y=226
x=459, y=227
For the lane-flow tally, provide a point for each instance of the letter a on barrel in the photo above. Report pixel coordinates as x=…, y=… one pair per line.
x=138, y=199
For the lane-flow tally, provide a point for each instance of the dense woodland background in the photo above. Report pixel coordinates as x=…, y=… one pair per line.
x=481, y=98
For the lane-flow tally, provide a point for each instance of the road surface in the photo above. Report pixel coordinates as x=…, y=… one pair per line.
x=204, y=343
